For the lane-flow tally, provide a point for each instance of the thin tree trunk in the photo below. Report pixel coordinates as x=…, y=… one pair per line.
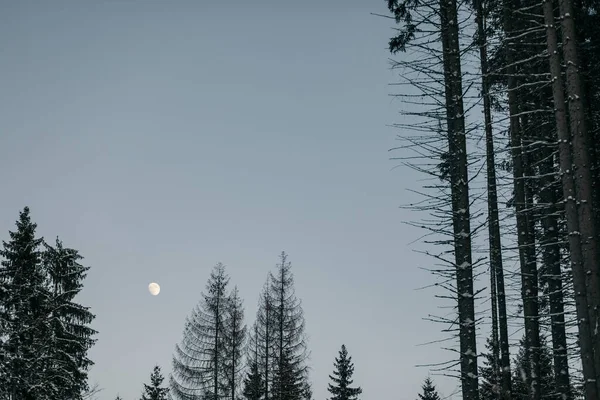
x=217, y=350
x=525, y=242
x=500, y=349
x=568, y=185
x=267, y=343
x=551, y=259
x=529, y=275
x=460, y=198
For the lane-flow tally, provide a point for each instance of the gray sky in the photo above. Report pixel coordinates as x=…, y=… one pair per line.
x=160, y=137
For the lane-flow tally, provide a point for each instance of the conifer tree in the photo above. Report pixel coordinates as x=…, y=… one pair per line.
x=490, y=383
x=253, y=383
x=429, y=391
x=198, y=362
x=71, y=335
x=234, y=335
x=24, y=303
x=290, y=372
x=341, y=388
x=154, y=391
x=263, y=339
x=254, y=386
x=522, y=369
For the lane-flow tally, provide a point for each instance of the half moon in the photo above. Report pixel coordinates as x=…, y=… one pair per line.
x=154, y=289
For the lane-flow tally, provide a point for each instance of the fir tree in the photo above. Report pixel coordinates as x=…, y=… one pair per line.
x=154, y=391
x=342, y=379
x=429, y=391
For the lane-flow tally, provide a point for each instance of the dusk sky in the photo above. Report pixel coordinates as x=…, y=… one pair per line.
x=161, y=137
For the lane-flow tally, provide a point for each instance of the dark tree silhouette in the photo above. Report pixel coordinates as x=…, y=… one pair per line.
x=429, y=391
x=341, y=388
x=154, y=391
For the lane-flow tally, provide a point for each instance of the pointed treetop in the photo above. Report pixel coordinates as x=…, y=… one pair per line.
x=340, y=388
x=429, y=391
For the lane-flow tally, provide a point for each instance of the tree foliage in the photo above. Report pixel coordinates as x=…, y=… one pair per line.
x=341, y=386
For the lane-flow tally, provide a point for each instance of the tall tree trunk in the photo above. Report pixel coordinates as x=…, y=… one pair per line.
x=460, y=198
x=525, y=242
x=217, y=351
x=568, y=186
x=583, y=175
x=501, y=353
x=553, y=276
x=529, y=275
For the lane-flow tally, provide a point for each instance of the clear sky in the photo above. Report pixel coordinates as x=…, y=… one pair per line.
x=161, y=137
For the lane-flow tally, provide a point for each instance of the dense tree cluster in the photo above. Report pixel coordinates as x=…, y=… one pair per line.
x=44, y=333
x=531, y=68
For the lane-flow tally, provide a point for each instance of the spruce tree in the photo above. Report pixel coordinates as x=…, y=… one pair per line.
x=342, y=378
x=429, y=391
x=234, y=339
x=154, y=391
x=24, y=303
x=288, y=380
x=198, y=362
x=490, y=383
x=521, y=391
x=71, y=334
x=254, y=386
x=290, y=372
x=253, y=383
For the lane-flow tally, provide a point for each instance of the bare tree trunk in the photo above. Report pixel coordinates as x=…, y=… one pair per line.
x=501, y=353
x=553, y=276
x=568, y=185
x=460, y=198
x=525, y=242
x=583, y=176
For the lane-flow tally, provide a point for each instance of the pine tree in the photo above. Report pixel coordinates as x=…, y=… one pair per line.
x=154, y=391
x=429, y=391
x=198, y=362
x=71, y=334
x=24, y=304
x=342, y=378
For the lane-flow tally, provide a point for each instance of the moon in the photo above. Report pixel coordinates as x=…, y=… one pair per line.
x=154, y=289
